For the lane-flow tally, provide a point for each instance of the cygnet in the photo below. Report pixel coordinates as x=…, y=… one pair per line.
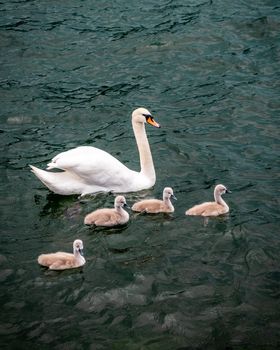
x=216, y=208
x=63, y=261
x=156, y=205
x=109, y=216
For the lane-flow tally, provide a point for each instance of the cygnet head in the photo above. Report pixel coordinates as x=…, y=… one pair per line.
x=78, y=246
x=221, y=189
x=142, y=115
x=120, y=202
x=168, y=193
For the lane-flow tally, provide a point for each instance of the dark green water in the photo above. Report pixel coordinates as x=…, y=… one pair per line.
x=71, y=74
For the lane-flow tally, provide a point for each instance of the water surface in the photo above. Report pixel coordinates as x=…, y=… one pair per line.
x=71, y=74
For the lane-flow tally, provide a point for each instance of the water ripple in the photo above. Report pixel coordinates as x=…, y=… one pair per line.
x=71, y=74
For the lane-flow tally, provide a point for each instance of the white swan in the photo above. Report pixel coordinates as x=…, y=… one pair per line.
x=109, y=216
x=90, y=170
x=63, y=261
x=216, y=208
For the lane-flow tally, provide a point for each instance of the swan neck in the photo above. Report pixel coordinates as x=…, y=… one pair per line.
x=167, y=202
x=119, y=209
x=76, y=253
x=219, y=199
x=78, y=257
x=146, y=159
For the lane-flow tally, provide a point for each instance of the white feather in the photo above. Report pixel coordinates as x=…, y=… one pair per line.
x=89, y=170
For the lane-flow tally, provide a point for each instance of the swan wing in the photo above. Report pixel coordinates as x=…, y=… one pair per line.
x=92, y=165
x=199, y=209
x=206, y=209
x=148, y=205
x=84, y=159
x=60, y=261
x=103, y=217
x=56, y=258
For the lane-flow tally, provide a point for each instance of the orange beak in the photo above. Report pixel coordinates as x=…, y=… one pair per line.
x=151, y=121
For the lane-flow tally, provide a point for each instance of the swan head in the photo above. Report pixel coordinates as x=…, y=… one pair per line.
x=142, y=116
x=120, y=202
x=168, y=193
x=220, y=190
x=78, y=246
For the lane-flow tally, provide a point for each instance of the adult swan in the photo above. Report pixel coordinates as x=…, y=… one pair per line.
x=90, y=170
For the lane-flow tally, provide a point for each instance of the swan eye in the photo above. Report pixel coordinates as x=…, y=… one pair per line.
x=147, y=115
x=149, y=118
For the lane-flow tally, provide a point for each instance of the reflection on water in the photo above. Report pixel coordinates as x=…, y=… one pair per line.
x=71, y=75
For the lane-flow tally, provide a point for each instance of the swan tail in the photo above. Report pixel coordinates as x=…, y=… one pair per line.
x=51, y=166
x=58, y=182
x=44, y=176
